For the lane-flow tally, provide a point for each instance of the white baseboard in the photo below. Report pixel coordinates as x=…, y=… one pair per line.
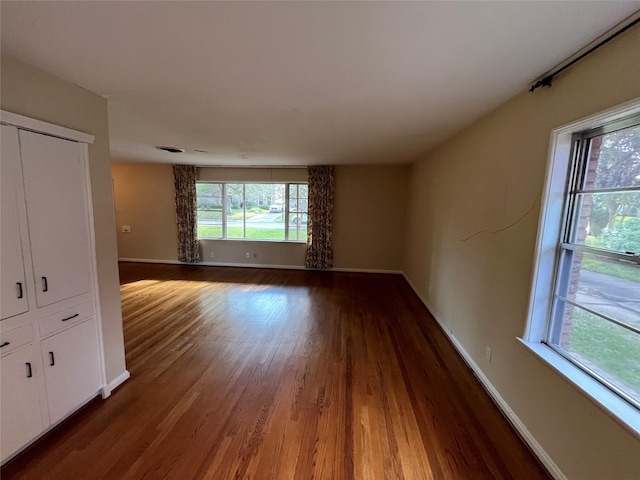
x=522, y=430
x=113, y=384
x=366, y=270
x=119, y=380
x=255, y=265
x=213, y=264
x=149, y=260
x=252, y=265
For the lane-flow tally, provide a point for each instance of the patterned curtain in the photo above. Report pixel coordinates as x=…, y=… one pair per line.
x=184, y=180
x=320, y=224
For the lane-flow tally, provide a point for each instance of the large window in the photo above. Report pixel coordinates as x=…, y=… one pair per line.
x=252, y=211
x=595, y=311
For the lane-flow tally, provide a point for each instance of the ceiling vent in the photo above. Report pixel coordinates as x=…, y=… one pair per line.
x=171, y=149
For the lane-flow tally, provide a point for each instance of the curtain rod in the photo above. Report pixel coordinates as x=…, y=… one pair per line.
x=547, y=78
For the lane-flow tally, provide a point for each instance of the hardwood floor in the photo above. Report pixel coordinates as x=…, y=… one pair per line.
x=272, y=374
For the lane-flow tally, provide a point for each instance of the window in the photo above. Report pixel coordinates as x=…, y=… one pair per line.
x=584, y=317
x=252, y=211
x=595, y=319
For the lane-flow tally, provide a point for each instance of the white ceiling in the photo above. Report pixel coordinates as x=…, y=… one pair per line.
x=298, y=83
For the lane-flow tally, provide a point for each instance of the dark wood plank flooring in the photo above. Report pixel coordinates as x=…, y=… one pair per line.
x=272, y=374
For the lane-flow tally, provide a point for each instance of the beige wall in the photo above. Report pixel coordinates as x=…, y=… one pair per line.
x=488, y=177
x=144, y=201
x=144, y=198
x=33, y=93
x=273, y=254
x=369, y=216
x=228, y=174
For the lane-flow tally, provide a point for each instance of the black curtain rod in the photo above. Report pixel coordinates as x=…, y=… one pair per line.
x=548, y=79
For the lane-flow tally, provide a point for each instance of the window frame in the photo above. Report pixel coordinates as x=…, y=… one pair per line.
x=568, y=246
x=285, y=210
x=552, y=231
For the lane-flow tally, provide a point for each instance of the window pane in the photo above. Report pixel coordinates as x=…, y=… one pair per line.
x=606, y=349
x=235, y=210
x=298, y=217
x=209, y=200
x=614, y=160
x=259, y=197
x=608, y=220
x=300, y=199
x=265, y=211
x=605, y=285
x=298, y=227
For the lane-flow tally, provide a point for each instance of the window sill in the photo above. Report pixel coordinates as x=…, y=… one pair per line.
x=621, y=411
x=288, y=242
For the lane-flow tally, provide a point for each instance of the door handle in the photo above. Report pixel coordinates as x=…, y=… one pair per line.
x=29, y=371
x=45, y=285
x=19, y=284
x=69, y=318
x=52, y=359
x=5, y=344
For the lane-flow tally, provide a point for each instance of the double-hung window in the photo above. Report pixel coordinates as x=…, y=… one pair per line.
x=593, y=316
x=252, y=211
x=596, y=312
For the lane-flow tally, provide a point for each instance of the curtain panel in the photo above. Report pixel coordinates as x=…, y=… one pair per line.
x=184, y=180
x=320, y=223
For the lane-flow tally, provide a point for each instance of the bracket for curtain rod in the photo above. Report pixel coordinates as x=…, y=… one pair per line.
x=547, y=78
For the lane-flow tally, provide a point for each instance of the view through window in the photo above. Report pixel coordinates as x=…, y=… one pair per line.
x=252, y=211
x=596, y=313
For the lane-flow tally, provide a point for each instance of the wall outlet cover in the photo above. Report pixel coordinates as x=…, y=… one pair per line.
x=487, y=354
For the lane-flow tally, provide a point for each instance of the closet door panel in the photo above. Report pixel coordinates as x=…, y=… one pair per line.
x=54, y=188
x=20, y=408
x=72, y=368
x=12, y=284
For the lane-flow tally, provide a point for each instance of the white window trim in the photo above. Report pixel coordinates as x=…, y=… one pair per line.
x=549, y=234
x=285, y=211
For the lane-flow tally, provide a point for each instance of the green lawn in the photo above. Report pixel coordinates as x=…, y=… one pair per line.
x=217, y=214
x=215, y=231
x=608, y=266
x=610, y=347
x=611, y=267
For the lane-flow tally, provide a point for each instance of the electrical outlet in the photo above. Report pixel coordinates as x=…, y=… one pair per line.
x=126, y=228
x=487, y=354
x=248, y=255
x=212, y=255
